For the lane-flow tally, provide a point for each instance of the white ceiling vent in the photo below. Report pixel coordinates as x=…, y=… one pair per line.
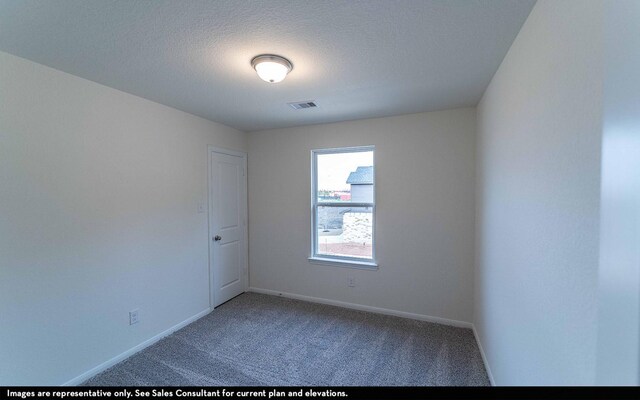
x=299, y=105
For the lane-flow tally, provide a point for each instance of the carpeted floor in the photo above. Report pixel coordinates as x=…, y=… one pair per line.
x=257, y=340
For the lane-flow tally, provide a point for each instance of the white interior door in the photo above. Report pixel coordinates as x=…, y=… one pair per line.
x=227, y=225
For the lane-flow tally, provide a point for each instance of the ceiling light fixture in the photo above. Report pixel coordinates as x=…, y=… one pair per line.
x=271, y=68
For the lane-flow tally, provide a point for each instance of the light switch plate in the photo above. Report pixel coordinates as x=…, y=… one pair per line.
x=200, y=208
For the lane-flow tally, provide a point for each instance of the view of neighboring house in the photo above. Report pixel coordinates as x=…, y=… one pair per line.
x=347, y=230
x=361, y=181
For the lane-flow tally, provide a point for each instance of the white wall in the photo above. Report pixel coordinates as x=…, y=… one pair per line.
x=539, y=142
x=619, y=274
x=425, y=213
x=98, y=216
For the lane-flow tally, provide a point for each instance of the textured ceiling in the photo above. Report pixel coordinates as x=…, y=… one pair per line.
x=357, y=59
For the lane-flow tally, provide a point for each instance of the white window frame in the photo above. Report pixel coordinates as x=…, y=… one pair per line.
x=342, y=261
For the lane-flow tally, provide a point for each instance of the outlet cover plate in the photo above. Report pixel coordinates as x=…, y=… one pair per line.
x=134, y=316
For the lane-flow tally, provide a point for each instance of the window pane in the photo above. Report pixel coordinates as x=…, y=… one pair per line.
x=345, y=177
x=345, y=231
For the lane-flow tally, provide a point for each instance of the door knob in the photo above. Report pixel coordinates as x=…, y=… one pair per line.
x=217, y=238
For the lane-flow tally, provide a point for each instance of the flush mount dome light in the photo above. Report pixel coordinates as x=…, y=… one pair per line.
x=271, y=68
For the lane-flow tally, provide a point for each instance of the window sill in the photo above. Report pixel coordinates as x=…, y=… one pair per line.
x=344, y=263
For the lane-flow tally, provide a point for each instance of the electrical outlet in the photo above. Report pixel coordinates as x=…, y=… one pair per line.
x=352, y=282
x=134, y=316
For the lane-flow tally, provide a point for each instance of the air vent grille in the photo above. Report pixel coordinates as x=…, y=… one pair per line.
x=300, y=105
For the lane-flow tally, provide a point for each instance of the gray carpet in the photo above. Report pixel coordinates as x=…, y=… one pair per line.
x=258, y=340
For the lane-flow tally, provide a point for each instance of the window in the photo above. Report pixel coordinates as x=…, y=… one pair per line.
x=343, y=206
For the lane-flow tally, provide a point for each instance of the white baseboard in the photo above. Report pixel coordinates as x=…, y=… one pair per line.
x=107, y=364
x=484, y=356
x=360, y=307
